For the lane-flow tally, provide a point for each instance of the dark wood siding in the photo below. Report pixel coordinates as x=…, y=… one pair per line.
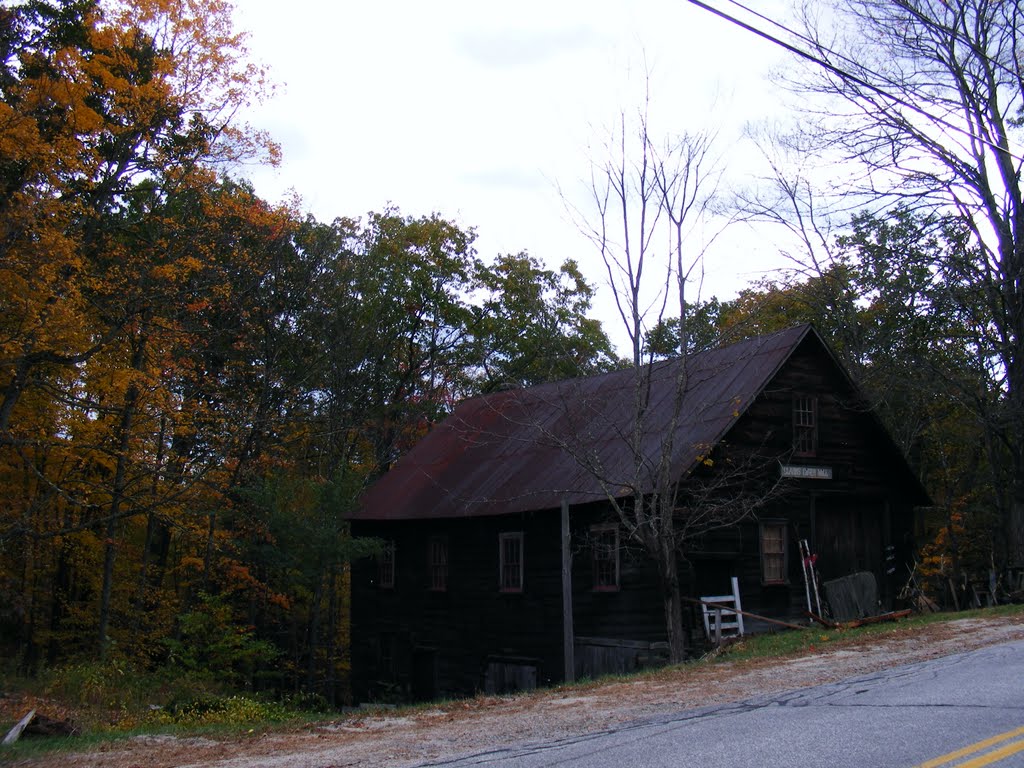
x=413, y=642
x=634, y=611
x=446, y=640
x=849, y=520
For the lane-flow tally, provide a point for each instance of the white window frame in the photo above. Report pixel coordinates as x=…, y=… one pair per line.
x=510, y=578
x=805, y=425
x=597, y=546
x=778, y=555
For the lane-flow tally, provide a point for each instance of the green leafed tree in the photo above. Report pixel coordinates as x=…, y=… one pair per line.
x=925, y=97
x=903, y=328
x=531, y=325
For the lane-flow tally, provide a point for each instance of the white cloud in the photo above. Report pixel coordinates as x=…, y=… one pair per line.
x=477, y=110
x=499, y=48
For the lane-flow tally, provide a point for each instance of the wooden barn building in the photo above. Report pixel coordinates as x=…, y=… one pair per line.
x=469, y=593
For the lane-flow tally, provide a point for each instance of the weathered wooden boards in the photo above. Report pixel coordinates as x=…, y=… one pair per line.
x=15, y=733
x=39, y=725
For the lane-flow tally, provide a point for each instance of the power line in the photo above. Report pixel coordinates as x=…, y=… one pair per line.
x=839, y=55
x=841, y=73
x=801, y=36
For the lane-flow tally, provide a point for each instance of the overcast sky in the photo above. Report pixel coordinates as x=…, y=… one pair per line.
x=482, y=111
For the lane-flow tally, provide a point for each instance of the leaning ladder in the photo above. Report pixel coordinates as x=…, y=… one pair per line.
x=807, y=563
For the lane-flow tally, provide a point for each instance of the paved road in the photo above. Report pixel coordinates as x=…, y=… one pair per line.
x=965, y=711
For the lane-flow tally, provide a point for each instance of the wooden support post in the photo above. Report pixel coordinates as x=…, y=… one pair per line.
x=821, y=620
x=718, y=627
x=15, y=733
x=568, y=639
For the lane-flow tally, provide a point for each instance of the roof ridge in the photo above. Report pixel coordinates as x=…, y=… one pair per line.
x=529, y=448
x=631, y=369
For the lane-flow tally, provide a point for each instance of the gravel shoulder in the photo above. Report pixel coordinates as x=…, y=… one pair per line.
x=457, y=728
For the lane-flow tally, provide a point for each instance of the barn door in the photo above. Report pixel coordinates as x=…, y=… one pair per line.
x=847, y=538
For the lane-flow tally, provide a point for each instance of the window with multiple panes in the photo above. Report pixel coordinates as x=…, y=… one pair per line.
x=604, y=552
x=773, y=552
x=510, y=562
x=437, y=563
x=805, y=425
x=386, y=566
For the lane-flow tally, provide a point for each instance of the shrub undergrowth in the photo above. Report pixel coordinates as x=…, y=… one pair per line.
x=114, y=697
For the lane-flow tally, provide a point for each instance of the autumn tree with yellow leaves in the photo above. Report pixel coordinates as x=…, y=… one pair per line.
x=113, y=119
x=196, y=384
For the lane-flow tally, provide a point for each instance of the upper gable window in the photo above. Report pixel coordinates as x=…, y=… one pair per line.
x=510, y=562
x=805, y=425
x=605, y=557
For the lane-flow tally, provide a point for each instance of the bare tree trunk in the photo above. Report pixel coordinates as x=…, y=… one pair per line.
x=139, y=600
x=1015, y=531
x=28, y=586
x=673, y=606
x=12, y=392
x=1015, y=514
x=117, y=496
x=640, y=193
x=331, y=682
x=954, y=545
x=58, y=599
x=313, y=644
x=211, y=529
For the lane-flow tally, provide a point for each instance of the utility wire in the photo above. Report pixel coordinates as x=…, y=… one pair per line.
x=848, y=76
x=804, y=38
x=818, y=46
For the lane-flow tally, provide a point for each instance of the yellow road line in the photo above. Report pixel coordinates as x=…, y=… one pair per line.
x=978, y=747
x=994, y=756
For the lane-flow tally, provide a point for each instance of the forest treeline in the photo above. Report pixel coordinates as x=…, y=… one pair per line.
x=901, y=306
x=195, y=384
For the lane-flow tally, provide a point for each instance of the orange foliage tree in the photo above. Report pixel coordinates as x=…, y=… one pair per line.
x=195, y=384
x=110, y=116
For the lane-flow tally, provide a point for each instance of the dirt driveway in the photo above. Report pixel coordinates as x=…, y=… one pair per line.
x=488, y=722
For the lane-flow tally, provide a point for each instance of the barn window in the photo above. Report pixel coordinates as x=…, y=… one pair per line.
x=510, y=562
x=437, y=560
x=773, y=552
x=604, y=552
x=386, y=566
x=805, y=425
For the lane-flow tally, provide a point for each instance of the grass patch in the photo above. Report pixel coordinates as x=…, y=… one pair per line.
x=27, y=748
x=88, y=741
x=111, y=702
x=816, y=637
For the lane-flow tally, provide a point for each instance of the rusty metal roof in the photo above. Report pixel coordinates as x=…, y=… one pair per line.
x=529, y=449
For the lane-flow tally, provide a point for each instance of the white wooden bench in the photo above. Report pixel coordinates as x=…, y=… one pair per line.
x=725, y=621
